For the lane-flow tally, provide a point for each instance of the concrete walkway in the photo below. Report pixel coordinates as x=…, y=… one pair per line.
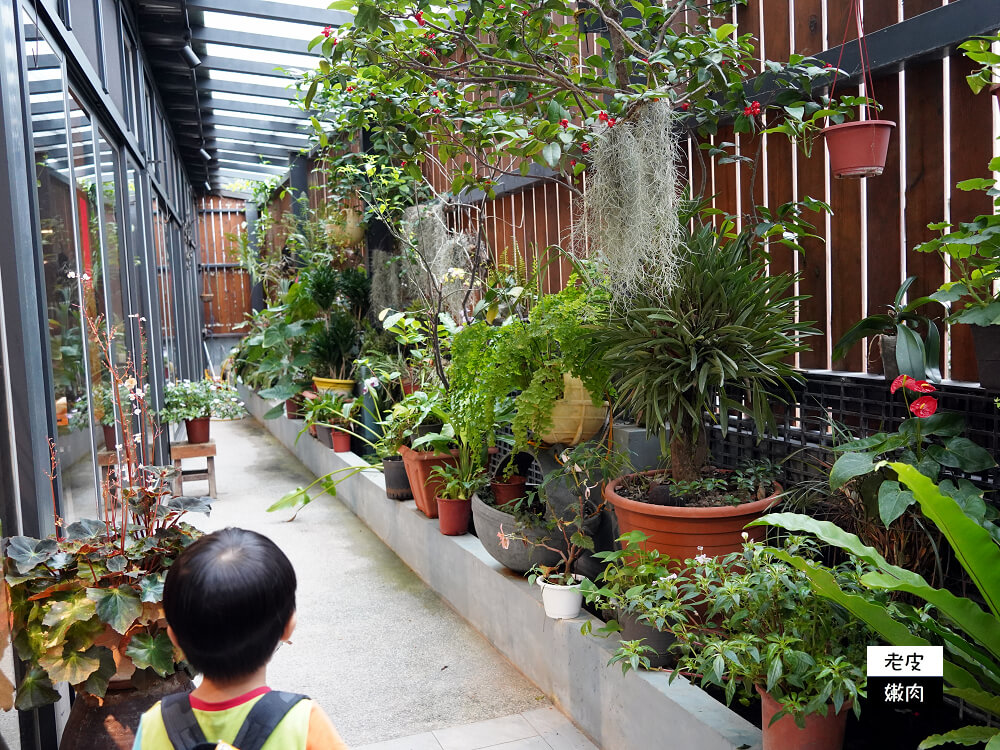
x=380, y=651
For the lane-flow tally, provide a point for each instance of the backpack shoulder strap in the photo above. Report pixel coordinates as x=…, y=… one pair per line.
x=266, y=714
x=182, y=727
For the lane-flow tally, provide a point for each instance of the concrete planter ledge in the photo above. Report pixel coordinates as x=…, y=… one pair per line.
x=635, y=711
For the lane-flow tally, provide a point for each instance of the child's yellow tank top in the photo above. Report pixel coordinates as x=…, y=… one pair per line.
x=221, y=722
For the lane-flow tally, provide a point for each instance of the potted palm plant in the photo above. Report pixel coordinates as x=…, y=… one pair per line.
x=720, y=341
x=333, y=348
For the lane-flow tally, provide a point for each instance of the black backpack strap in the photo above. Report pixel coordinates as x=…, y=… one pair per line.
x=181, y=725
x=266, y=714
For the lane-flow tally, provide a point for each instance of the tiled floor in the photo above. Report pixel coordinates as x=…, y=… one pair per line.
x=542, y=729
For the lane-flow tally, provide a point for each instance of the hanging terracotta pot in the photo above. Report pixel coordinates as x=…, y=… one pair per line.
x=454, y=516
x=858, y=149
x=341, y=441
x=198, y=430
x=822, y=731
x=110, y=723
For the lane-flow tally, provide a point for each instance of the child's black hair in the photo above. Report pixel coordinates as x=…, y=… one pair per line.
x=228, y=598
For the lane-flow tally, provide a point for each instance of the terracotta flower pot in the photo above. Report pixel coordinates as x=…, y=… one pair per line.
x=325, y=435
x=408, y=387
x=418, y=470
x=293, y=407
x=198, y=430
x=822, y=731
x=111, y=724
x=110, y=440
x=858, y=149
x=679, y=532
x=341, y=441
x=397, y=486
x=454, y=516
x=508, y=492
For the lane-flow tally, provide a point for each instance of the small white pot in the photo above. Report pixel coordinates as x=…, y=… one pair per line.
x=561, y=602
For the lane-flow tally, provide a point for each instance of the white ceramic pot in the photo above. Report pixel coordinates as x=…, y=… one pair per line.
x=561, y=602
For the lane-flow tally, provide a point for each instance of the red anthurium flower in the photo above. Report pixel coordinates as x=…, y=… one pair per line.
x=911, y=384
x=924, y=406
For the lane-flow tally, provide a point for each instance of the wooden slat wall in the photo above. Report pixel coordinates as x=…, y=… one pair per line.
x=220, y=221
x=866, y=247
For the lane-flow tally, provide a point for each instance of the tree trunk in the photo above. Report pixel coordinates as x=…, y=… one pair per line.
x=688, y=455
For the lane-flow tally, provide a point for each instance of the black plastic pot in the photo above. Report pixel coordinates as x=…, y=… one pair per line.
x=987, y=340
x=633, y=630
x=397, y=485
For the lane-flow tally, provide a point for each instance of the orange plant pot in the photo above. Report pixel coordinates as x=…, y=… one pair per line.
x=822, y=731
x=425, y=487
x=454, y=516
x=682, y=533
x=341, y=441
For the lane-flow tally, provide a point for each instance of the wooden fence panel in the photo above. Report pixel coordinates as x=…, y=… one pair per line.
x=225, y=285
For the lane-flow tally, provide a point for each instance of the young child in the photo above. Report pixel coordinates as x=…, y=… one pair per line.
x=229, y=600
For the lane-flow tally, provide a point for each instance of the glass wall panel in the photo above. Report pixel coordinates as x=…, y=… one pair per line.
x=165, y=290
x=62, y=268
x=83, y=19
x=112, y=40
x=106, y=194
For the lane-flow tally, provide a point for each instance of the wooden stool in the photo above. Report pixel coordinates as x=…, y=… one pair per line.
x=106, y=459
x=179, y=451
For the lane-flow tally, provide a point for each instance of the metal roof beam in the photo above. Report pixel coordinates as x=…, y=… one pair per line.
x=275, y=139
x=228, y=156
x=211, y=85
x=236, y=166
x=249, y=147
x=279, y=11
x=251, y=41
x=228, y=106
x=250, y=67
x=275, y=125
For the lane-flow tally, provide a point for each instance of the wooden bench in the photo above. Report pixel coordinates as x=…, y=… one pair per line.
x=180, y=451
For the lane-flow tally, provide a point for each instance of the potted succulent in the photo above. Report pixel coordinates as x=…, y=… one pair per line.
x=634, y=584
x=720, y=341
x=903, y=350
x=754, y=625
x=85, y=603
x=333, y=348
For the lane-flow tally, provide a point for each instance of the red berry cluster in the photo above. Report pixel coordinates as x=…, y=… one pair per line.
x=585, y=148
x=564, y=122
x=685, y=106
x=752, y=110
x=419, y=16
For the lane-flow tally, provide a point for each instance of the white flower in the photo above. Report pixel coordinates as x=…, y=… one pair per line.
x=667, y=579
x=85, y=277
x=71, y=274
x=745, y=536
x=134, y=316
x=702, y=559
x=137, y=439
x=372, y=383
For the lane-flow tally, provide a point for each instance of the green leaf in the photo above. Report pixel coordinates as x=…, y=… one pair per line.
x=724, y=31
x=551, y=152
x=151, y=588
x=35, y=691
x=118, y=607
x=910, y=356
x=893, y=501
x=965, y=736
x=297, y=498
x=70, y=666
x=28, y=553
x=848, y=466
x=148, y=652
x=97, y=683
x=62, y=615
x=968, y=456
x=84, y=529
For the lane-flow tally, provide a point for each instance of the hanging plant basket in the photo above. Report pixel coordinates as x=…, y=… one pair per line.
x=858, y=149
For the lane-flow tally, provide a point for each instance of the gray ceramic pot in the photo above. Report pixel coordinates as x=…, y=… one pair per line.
x=520, y=556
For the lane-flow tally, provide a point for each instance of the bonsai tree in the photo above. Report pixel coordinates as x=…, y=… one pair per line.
x=721, y=340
